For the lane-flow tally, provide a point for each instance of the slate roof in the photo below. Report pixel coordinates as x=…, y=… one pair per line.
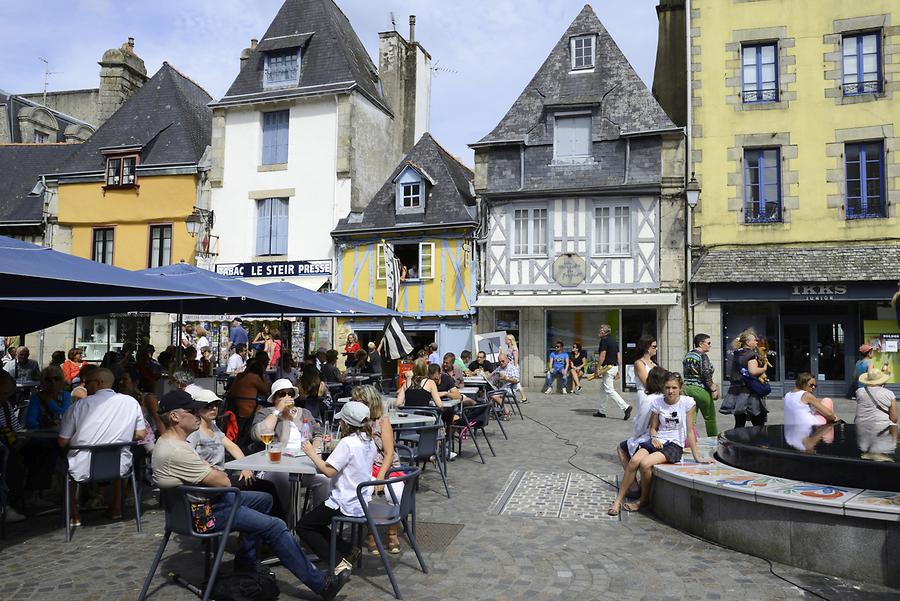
x=451, y=199
x=625, y=99
x=332, y=59
x=168, y=117
x=12, y=104
x=781, y=264
x=21, y=166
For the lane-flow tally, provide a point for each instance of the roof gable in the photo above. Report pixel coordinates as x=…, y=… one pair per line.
x=449, y=195
x=332, y=57
x=624, y=100
x=168, y=117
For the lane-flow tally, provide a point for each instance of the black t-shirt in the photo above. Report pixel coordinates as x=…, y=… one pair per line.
x=608, y=344
x=578, y=360
x=330, y=373
x=486, y=366
x=447, y=382
x=741, y=358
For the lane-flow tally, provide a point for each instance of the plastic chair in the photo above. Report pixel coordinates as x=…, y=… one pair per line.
x=105, y=467
x=428, y=445
x=177, y=506
x=475, y=418
x=381, y=514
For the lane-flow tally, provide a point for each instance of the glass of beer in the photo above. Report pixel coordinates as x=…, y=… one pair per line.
x=275, y=453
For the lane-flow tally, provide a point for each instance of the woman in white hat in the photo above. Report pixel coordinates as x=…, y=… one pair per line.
x=876, y=406
x=348, y=465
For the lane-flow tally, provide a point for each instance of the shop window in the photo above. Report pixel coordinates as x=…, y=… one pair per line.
x=862, y=63
x=864, y=164
x=760, y=72
x=160, y=245
x=612, y=230
x=120, y=172
x=530, y=232
x=762, y=185
x=282, y=69
x=100, y=334
x=271, y=226
x=416, y=260
x=582, y=51
x=102, y=251
x=572, y=137
x=275, y=127
x=507, y=321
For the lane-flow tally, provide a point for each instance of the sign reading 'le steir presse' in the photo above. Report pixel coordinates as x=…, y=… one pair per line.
x=275, y=269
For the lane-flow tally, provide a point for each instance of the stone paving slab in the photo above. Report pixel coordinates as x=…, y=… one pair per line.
x=572, y=555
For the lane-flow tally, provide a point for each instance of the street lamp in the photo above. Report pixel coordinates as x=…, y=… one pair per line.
x=692, y=192
x=199, y=220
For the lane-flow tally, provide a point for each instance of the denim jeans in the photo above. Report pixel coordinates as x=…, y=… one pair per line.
x=253, y=521
x=561, y=374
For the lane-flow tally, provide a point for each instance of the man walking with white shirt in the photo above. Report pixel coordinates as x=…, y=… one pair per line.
x=608, y=362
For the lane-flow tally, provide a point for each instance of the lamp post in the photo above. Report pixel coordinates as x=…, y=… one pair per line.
x=201, y=222
x=692, y=197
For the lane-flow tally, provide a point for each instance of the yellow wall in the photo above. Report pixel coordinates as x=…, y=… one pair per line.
x=161, y=199
x=811, y=119
x=444, y=284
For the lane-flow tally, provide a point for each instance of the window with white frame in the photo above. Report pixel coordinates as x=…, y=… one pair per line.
x=160, y=246
x=572, y=137
x=582, y=52
x=271, y=226
x=416, y=261
x=411, y=195
x=102, y=251
x=759, y=72
x=612, y=230
x=861, y=63
x=282, y=69
x=530, y=231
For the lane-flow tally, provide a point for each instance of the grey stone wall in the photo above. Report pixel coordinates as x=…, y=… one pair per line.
x=81, y=104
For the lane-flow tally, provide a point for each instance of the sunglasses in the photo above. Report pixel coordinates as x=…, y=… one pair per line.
x=284, y=393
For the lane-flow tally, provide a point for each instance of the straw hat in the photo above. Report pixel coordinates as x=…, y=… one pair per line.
x=874, y=377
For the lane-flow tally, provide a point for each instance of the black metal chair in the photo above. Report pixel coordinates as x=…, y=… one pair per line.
x=428, y=444
x=381, y=514
x=177, y=506
x=4, y=489
x=105, y=467
x=475, y=418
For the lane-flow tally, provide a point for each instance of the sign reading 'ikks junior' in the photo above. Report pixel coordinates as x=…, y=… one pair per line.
x=275, y=269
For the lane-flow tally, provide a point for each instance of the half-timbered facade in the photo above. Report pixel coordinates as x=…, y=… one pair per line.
x=583, y=213
x=426, y=212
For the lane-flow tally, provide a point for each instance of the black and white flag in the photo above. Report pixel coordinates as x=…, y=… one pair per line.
x=391, y=275
x=396, y=344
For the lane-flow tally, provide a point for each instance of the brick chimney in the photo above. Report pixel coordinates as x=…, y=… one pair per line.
x=121, y=73
x=404, y=68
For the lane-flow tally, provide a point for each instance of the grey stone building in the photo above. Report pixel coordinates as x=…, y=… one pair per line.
x=583, y=213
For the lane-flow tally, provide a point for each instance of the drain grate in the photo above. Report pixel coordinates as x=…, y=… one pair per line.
x=561, y=495
x=435, y=537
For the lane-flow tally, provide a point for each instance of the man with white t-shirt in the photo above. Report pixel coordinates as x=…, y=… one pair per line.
x=237, y=361
x=103, y=417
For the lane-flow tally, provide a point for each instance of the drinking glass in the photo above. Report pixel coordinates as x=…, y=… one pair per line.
x=274, y=451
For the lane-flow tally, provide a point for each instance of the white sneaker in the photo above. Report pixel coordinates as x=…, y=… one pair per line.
x=564, y=391
x=548, y=391
x=344, y=565
x=453, y=455
x=13, y=516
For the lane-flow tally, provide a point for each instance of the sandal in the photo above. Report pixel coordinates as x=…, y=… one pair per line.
x=631, y=506
x=613, y=510
x=373, y=548
x=393, y=546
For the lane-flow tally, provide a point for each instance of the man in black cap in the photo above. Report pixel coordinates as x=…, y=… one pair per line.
x=175, y=463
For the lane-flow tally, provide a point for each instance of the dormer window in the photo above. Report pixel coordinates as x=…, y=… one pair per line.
x=409, y=189
x=282, y=69
x=582, y=52
x=120, y=171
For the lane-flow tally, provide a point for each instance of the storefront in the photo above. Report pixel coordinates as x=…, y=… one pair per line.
x=99, y=334
x=811, y=327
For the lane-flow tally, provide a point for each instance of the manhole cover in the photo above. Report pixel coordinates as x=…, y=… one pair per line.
x=561, y=495
x=435, y=537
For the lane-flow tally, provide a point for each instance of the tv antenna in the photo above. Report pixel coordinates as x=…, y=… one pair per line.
x=393, y=22
x=437, y=68
x=47, y=74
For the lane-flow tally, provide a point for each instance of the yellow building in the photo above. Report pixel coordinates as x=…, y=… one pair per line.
x=125, y=196
x=426, y=213
x=794, y=140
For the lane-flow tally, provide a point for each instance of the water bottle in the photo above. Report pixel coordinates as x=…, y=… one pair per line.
x=305, y=430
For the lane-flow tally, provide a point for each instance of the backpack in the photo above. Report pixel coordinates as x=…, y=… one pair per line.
x=246, y=586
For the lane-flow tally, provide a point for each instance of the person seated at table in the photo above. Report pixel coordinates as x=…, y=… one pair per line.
x=446, y=386
x=10, y=427
x=462, y=362
x=72, y=365
x=360, y=364
x=286, y=368
x=237, y=361
x=149, y=369
x=419, y=390
x=58, y=358
x=212, y=444
x=206, y=366
x=243, y=397
x=385, y=458
x=127, y=383
x=23, y=369
x=79, y=391
x=329, y=372
x=189, y=361
x=49, y=401
x=176, y=463
x=448, y=366
x=481, y=366
x=311, y=385
x=103, y=417
x=505, y=378
x=348, y=465
x=670, y=418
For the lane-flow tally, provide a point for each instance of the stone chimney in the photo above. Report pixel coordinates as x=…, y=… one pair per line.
x=246, y=52
x=404, y=68
x=121, y=73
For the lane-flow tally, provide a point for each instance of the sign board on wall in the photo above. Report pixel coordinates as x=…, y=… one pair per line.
x=275, y=269
x=801, y=291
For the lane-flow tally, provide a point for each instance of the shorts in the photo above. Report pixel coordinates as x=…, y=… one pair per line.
x=672, y=451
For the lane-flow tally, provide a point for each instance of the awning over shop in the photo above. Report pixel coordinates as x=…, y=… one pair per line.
x=650, y=299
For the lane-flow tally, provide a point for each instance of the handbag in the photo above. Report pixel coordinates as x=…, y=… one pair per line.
x=754, y=385
x=202, y=516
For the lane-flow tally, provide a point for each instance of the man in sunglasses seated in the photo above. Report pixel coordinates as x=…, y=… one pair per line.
x=175, y=463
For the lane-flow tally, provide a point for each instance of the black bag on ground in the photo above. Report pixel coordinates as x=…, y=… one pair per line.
x=246, y=586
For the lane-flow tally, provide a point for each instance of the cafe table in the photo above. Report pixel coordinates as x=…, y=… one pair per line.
x=295, y=467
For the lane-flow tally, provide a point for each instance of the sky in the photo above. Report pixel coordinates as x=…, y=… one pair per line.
x=484, y=52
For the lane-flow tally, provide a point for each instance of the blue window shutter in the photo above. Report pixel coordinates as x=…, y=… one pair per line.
x=268, y=139
x=279, y=226
x=263, y=226
x=282, y=119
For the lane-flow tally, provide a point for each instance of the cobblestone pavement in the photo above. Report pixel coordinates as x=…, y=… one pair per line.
x=527, y=525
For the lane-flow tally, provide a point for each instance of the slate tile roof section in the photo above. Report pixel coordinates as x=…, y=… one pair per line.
x=332, y=58
x=168, y=116
x=625, y=100
x=781, y=264
x=10, y=105
x=450, y=200
x=21, y=166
